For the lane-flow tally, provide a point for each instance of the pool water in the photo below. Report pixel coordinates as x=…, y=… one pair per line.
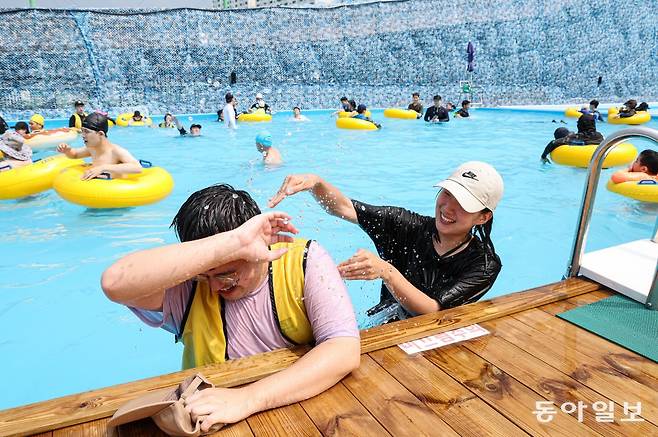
x=64, y=336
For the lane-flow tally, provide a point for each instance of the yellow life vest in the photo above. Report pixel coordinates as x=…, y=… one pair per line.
x=78, y=120
x=203, y=326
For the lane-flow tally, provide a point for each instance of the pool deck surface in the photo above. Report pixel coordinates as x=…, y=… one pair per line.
x=484, y=386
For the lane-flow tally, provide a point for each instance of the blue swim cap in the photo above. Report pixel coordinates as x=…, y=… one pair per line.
x=264, y=138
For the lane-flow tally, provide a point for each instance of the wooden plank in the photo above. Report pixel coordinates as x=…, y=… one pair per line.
x=147, y=428
x=568, y=304
x=399, y=411
x=565, y=354
x=395, y=333
x=467, y=414
x=44, y=434
x=552, y=384
x=504, y=393
x=336, y=412
x=284, y=421
x=598, y=348
x=90, y=429
x=96, y=404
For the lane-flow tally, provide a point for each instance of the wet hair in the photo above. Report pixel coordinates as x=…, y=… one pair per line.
x=344, y=99
x=631, y=104
x=21, y=125
x=137, y=114
x=594, y=103
x=361, y=109
x=212, y=210
x=296, y=107
x=165, y=116
x=642, y=106
x=484, y=231
x=415, y=95
x=228, y=97
x=465, y=102
x=436, y=97
x=561, y=132
x=353, y=104
x=649, y=158
x=195, y=125
x=586, y=123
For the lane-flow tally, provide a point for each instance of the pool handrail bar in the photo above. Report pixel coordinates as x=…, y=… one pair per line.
x=589, y=195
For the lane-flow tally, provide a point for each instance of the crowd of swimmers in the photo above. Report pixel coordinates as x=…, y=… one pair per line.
x=219, y=290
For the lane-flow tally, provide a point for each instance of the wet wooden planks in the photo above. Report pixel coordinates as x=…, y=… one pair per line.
x=485, y=386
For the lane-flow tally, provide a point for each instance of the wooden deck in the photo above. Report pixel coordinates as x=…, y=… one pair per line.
x=485, y=386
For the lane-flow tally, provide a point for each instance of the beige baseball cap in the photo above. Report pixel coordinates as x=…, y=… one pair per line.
x=476, y=185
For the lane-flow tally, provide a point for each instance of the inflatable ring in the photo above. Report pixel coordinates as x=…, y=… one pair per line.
x=640, y=117
x=50, y=138
x=34, y=178
x=407, y=114
x=573, y=112
x=355, y=123
x=645, y=190
x=579, y=156
x=125, y=120
x=255, y=117
x=150, y=186
x=345, y=114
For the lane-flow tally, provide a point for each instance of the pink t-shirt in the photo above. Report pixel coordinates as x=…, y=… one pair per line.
x=250, y=324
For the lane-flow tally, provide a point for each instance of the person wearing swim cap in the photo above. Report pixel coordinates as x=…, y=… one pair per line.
x=37, y=123
x=271, y=156
x=587, y=134
x=426, y=263
x=79, y=116
x=260, y=105
x=106, y=157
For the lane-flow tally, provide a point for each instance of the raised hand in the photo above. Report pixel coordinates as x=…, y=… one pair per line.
x=257, y=233
x=293, y=184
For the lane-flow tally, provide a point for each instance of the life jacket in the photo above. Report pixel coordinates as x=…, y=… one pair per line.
x=204, y=329
x=78, y=119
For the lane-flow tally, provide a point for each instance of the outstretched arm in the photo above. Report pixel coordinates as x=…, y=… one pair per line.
x=135, y=280
x=315, y=372
x=365, y=265
x=73, y=153
x=328, y=196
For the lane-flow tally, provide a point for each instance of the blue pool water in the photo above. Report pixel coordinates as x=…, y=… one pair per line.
x=61, y=331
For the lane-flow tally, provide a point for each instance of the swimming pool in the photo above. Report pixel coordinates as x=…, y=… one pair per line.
x=62, y=331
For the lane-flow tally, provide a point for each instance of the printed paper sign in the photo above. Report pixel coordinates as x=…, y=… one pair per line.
x=443, y=339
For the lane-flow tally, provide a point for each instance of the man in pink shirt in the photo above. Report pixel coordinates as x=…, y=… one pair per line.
x=236, y=286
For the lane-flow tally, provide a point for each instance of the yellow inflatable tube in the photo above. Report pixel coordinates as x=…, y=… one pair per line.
x=645, y=191
x=51, y=138
x=573, y=112
x=640, y=117
x=34, y=178
x=345, y=114
x=255, y=117
x=407, y=114
x=355, y=123
x=150, y=186
x=579, y=156
x=125, y=120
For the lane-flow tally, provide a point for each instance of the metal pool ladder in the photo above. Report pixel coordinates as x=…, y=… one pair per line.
x=630, y=268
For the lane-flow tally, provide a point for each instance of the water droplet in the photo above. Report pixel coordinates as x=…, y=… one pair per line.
x=206, y=207
x=235, y=196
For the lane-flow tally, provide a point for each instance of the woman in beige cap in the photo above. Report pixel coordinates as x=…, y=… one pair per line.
x=426, y=263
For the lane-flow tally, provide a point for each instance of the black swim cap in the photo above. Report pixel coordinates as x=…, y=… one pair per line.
x=96, y=122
